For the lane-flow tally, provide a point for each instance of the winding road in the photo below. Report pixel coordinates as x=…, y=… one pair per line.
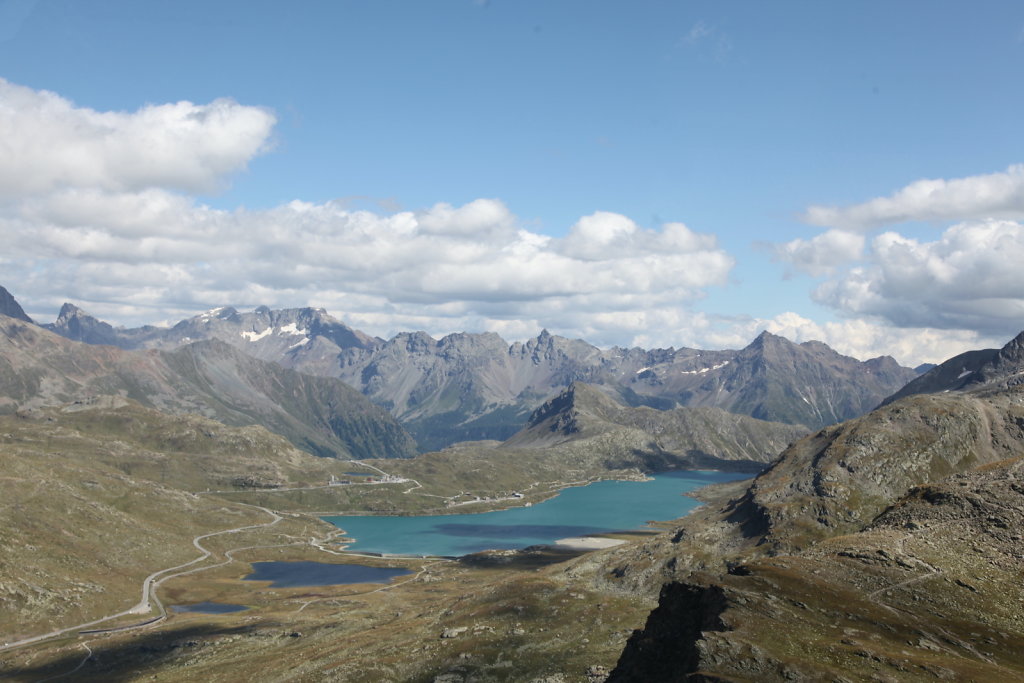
x=149, y=586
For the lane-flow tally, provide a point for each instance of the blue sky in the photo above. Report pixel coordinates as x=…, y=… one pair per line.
x=561, y=136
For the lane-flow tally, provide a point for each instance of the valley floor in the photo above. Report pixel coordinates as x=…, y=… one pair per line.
x=494, y=616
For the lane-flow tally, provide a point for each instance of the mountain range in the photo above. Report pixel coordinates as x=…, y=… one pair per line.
x=469, y=386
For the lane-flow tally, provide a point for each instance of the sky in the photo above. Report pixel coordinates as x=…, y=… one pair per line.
x=645, y=173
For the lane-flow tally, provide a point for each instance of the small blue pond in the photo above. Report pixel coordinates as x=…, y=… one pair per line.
x=209, y=608
x=295, y=574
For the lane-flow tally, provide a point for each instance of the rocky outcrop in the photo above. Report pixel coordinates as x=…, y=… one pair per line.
x=930, y=590
x=666, y=648
x=842, y=477
x=75, y=324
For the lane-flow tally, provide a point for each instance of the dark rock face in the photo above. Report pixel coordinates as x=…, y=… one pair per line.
x=11, y=308
x=666, y=648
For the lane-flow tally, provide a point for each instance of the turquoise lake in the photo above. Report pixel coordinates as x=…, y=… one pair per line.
x=601, y=507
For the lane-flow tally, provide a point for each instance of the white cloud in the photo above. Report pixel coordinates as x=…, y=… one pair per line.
x=47, y=144
x=995, y=195
x=481, y=216
x=697, y=32
x=970, y=279
x=406, y=262
x=99, y=211
x=821, y=254
x=967, y=282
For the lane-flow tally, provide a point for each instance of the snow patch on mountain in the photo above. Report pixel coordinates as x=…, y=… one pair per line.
x=256, y=336
x=703, y=370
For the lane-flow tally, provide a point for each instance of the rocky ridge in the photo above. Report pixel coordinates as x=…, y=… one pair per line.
x=466, y=387
x=585, y=418
x=928, y=591
x=971, y=370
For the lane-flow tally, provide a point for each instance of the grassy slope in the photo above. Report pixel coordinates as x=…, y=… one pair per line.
x=96, y=499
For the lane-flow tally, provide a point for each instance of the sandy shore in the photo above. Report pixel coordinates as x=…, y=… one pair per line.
x=588, y=543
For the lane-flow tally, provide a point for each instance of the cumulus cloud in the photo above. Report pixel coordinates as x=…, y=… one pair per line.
x=970, y=278
x=408, y=263
x=100, y=207
x=47, y=143
x=821, y=254
x=967, y=281
x=994, y=195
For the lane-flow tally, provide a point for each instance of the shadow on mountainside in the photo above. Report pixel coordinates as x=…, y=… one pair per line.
x=128, y=659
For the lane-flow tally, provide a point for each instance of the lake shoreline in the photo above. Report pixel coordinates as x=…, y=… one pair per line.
x=528, y=502
x=573, y=517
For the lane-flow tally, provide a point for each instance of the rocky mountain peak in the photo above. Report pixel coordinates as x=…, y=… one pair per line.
x=577, y=395
x=414, y=342
x=567, y=414
x=766, y=339
x=1011, y=356
x=75, y=324
x=767, y=344
x=10, y=307
x=882, y=364
x=543, y=341
x=69, y=310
